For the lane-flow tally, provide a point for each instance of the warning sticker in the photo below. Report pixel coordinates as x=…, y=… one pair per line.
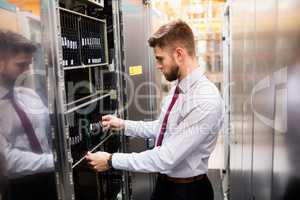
x=135, y=70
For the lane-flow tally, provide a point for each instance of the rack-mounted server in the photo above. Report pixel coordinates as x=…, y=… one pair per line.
x=83, y=39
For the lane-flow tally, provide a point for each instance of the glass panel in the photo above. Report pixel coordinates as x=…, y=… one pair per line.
x=26, y=159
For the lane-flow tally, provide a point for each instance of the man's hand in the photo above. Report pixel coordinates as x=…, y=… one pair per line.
x=113, y=123
x=98, y=160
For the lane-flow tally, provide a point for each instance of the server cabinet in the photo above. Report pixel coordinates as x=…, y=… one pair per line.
x=265, y=70
x=143, y=88
x=84, y=71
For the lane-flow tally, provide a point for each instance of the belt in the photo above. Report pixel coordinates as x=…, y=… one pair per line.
x=182, y=180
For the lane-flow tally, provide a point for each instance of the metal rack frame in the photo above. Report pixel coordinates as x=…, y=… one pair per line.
x=58, y=107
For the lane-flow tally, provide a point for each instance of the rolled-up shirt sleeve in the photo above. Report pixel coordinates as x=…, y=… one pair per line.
x=20, y=162
x=25, y=163
x=197, y=130
x=141, y=129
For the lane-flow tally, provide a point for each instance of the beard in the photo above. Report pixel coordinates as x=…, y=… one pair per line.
x=6, y=82
x=173, y=73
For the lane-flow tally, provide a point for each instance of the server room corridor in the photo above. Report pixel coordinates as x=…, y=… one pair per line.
x=64, y=64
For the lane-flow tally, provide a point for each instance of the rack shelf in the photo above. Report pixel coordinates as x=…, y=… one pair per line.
x=92, y=150
x=84, y=98
x=86, y=103
x=80, y=14
x=85, y=66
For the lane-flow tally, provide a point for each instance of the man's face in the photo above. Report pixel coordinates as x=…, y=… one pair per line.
x=166, y=64
x=14, y=65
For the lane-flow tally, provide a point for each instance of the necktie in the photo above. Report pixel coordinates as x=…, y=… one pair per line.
x=165, y=121
x=33, y=140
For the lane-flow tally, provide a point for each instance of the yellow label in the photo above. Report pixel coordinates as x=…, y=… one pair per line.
x=135, y=70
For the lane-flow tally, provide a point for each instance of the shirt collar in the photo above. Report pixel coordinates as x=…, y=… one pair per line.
x=186, y=83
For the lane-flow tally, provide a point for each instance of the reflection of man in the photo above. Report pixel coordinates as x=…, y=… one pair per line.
x=3, y=175
x=186, y=130
x=24, y=122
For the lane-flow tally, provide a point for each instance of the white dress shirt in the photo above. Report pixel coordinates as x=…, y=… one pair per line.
x=191, y=133
x=20, y=159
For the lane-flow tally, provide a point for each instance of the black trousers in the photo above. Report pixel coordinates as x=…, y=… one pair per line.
x=197, y=190
x=34, y=187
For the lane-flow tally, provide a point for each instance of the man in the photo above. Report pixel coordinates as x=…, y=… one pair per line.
x=186, y=130
x=24, y=122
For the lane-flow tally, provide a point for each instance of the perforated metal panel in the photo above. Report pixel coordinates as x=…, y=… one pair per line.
x=264, y=47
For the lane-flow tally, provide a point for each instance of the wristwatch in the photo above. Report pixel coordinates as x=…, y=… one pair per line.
x=109, y=162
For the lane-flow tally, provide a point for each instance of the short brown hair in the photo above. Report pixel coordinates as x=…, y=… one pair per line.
x=12, y=43
x=174, y=33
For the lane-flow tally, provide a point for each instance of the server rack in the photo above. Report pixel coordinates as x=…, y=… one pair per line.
x=84, y=65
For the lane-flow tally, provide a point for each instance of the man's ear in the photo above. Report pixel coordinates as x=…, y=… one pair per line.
x=179, y=54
